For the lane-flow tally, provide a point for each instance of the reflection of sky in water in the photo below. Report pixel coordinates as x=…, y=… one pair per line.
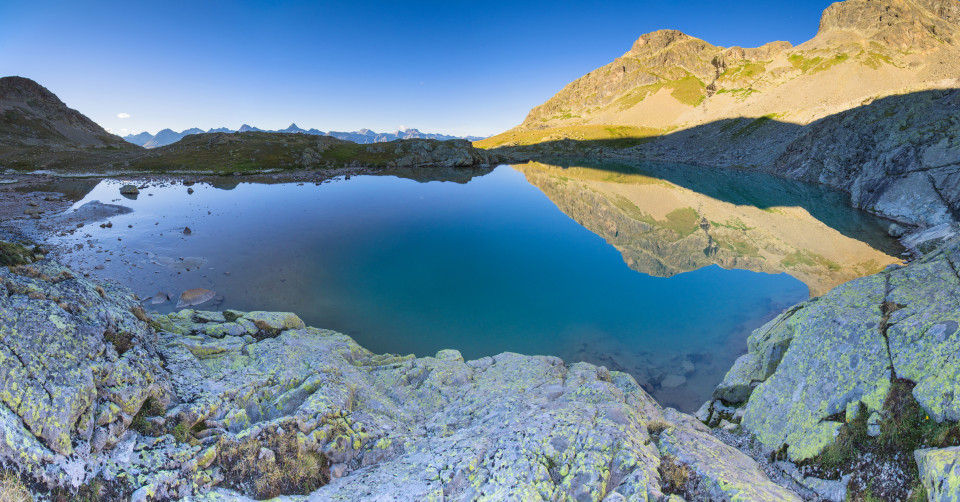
x=407, y=267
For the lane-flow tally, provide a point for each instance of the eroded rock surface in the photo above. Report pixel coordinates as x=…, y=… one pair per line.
x=94, y=390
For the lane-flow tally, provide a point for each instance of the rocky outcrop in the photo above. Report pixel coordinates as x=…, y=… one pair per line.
x=450, y=153
x=809, y=371
x=184, y=404
x=904, y=25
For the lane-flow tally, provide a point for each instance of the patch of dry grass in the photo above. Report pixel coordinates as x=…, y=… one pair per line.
x=272, y=465
x=12, y=488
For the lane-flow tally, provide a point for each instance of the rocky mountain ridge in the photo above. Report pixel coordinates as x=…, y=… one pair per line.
x=669, y=80
x=363, y=136
x=38, y=132
x=32, y=116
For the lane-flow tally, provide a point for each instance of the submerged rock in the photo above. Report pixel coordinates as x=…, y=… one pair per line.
x=194, y=297
x=159, y=299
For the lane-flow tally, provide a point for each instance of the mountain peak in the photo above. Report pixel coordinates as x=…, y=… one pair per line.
x=660, y=40
x=897, y=24
x=20, y=88
x=34, y=116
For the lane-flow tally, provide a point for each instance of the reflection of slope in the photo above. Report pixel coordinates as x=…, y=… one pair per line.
x=662, y=229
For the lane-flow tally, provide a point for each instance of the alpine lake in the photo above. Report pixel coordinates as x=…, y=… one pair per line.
x=657, y=270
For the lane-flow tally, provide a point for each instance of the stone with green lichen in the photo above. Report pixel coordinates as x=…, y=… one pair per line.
x=940, y=473
x=825, y=357
x=509, y=425
x=924, y=335
x=59, y=366
x=725, y=472
x=274, y=321
x=836, y=356
x=432, y=428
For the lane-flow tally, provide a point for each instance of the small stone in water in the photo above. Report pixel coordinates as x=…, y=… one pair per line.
x=197, y=296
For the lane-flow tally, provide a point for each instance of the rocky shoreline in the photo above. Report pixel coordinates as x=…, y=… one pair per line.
x=97, y=395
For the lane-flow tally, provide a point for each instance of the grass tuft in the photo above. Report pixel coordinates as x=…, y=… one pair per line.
x=248, y=467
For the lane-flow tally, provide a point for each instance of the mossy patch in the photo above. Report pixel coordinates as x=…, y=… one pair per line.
x=809, y=259
x=816, y=64
x=740, y=247
x=122, y=341
x=689, y=90
x=754, y=125
x=683, y=221
x=677, y=478
x=14, y=254
x=140, y=423
x=903, y=427
x=636, y=96
x=12, y=488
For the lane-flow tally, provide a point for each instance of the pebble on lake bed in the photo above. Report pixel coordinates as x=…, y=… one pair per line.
x=673, y=381
x=187, y=231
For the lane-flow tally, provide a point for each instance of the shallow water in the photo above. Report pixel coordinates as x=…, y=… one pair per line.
x=485, y=266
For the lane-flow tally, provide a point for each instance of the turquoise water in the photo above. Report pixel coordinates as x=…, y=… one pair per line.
x=404, y=266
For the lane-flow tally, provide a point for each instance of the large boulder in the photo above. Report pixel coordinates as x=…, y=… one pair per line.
x=812, y=367
x=76, y=365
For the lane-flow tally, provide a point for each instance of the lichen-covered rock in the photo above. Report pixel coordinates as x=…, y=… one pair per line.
x=923, y=333
x=940, y=473
x=819, y=361
x=836, y=356
x=423, y=428
x=76, y=364
x=727, y=473
x=166, y=408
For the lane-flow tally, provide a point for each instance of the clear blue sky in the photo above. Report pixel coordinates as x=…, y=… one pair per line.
x=446, y=66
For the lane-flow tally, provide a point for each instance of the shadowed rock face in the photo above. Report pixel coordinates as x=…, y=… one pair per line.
x=663, y=229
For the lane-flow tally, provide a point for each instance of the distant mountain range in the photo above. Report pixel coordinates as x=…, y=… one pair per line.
x=169, y=136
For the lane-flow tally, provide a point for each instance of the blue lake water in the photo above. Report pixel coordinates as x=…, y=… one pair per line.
x=405, y=266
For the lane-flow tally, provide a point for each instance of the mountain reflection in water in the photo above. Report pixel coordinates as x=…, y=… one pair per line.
x=484, y=262
x=664, y=229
